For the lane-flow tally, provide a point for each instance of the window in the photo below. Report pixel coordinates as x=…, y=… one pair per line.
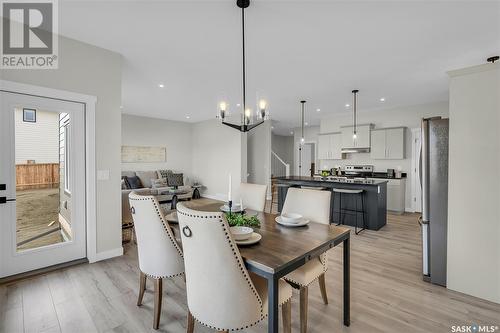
x=67, y=158
x=29, y=115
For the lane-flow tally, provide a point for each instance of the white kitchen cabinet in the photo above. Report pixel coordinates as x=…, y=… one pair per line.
x=396, y=195
x=388, y=143
x=362, y=136
x=330, y=146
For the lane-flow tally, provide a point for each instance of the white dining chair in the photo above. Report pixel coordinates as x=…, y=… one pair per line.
x=159, y=254
x=253, y=196
x=313, y=205
x=221, y=293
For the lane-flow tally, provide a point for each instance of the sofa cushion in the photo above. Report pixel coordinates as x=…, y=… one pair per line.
x=146, y=177
x=128, y=174
x=175, y=179
x=164, y=173
x=158, y=183
x=124, y=183
x=134, y=182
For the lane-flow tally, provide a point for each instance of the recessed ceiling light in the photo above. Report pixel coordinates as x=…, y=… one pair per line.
x=306, y=124
x=161, y=85
x=121, y=106
x=238, y=104
x=347, y=105
x=318, y=110
x=187, y=117
x=291, y=132
x=382, y=99
x=272, y=127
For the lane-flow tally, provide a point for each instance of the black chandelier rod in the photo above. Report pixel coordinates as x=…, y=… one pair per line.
x=244, y=60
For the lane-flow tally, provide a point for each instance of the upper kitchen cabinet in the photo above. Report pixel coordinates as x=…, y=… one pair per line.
x=362, y=137
x=388, y=143
x=330, y=146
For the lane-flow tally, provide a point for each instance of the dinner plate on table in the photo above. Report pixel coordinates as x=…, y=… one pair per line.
x=302, y=222
x=255, y=238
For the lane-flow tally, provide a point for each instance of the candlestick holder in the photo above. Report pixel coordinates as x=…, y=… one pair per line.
x=230, y=204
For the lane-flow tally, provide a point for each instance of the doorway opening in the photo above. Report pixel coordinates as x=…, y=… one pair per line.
x=307, y=159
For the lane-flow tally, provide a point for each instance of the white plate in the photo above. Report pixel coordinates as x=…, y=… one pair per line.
x=255, y=238
x=301, y=223
x=235, y=208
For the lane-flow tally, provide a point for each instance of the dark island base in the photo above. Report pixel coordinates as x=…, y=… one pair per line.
x=375, y=196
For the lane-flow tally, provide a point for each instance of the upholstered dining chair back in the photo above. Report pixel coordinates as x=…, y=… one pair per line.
x=313, y=205
x=159, y=254
x=220, y=294
x=253, y=196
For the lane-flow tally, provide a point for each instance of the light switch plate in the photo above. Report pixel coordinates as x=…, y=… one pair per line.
x=102, y=174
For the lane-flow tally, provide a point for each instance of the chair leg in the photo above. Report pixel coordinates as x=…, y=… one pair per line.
x=190, y=323
x=142, y=288
x=158, y=298
x=322, y=288
x=304, y=291
x=286, y=310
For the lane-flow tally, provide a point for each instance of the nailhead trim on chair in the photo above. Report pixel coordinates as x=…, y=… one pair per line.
x=166, y=227
x=325, y=269
x=241, y=265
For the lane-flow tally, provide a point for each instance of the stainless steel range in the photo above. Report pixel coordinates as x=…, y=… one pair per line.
x=358, y=171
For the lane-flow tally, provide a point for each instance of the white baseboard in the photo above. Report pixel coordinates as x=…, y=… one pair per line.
x=210, y=196
x=109, y=254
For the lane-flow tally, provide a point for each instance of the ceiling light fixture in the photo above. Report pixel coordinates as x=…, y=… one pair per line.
x=348, y=105
x=246, y=124
x=187, y=117
x=161, y=85
x=382, y=99
x=318, y=110
x=354, y=109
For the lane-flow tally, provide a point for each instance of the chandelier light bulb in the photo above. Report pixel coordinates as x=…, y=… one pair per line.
x=248, y=113
x=354, y=136
x=222, y=106
x=262, y=104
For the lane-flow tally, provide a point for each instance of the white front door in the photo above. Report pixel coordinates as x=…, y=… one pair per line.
x=42, y=182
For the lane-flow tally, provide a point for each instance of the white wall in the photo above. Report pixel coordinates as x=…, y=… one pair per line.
x=37, y=141
x=311, y=136
x=91, y=70
x=474, y=186
x=259, y=155
x=409, y=117
x=283, y=147
x=218, y=151
x=176, y=136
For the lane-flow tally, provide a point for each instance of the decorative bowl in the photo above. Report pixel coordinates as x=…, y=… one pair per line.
x=291, y=217
x=241, y=233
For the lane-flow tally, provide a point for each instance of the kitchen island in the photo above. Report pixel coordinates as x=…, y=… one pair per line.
x=375, y=197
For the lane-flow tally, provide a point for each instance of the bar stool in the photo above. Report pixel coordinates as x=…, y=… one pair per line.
x=342, y=211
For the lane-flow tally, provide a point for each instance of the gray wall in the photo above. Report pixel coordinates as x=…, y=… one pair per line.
x=91, y=70
x=259, y=154
x=283, y=147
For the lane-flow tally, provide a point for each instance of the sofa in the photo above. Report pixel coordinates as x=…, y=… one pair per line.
x=150, y=186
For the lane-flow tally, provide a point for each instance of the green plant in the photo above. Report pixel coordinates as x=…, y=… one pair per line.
x=240, y=220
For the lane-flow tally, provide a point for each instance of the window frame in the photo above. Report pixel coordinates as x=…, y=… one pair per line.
x=24, y=115
x=67, y=155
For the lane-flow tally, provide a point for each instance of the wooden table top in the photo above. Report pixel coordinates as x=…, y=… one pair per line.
x=280, y=246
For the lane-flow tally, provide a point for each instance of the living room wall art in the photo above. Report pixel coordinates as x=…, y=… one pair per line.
x=141, y=154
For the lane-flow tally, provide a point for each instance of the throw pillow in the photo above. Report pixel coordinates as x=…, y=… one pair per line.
x=157, y=183
x=125, y=184
x=175, y=179
x=134, y=182
x=164, y=173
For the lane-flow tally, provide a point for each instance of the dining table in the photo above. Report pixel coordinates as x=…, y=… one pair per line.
x=282, y=250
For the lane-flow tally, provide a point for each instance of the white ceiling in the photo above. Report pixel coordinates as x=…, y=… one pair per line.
x=313, y=50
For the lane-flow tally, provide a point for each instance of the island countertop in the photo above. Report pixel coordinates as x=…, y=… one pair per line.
x=373, y=198
x=339, y=180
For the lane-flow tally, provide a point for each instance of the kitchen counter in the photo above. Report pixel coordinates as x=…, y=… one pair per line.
x=374, y=195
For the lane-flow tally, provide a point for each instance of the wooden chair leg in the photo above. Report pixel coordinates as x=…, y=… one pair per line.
x=322, y=287
x=190, y=323
x=158, y=298
x=142, y=288
x=304, y=291
x=286, y=310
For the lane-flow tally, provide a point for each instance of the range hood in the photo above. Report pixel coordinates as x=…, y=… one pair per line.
x=355, y=150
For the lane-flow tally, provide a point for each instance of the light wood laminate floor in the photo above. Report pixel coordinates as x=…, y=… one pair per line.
x=387, y=295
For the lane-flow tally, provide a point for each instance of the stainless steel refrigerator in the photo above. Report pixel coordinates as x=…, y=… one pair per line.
x=434, y=182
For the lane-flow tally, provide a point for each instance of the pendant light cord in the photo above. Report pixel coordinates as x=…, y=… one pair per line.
x=243, y=65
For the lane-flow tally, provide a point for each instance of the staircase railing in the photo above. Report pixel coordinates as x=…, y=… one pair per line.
x=279, y=168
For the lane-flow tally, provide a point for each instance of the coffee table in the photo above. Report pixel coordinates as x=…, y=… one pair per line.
x=175, y=199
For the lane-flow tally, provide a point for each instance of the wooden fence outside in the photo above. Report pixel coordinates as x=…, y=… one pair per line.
x=36, y=176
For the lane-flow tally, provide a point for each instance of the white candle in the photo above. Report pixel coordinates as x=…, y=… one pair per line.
x=230, y=185
x=241, y=203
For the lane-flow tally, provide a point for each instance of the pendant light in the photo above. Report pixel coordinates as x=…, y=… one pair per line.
x=354, y=115
x=245, y=123
x=302, y=139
